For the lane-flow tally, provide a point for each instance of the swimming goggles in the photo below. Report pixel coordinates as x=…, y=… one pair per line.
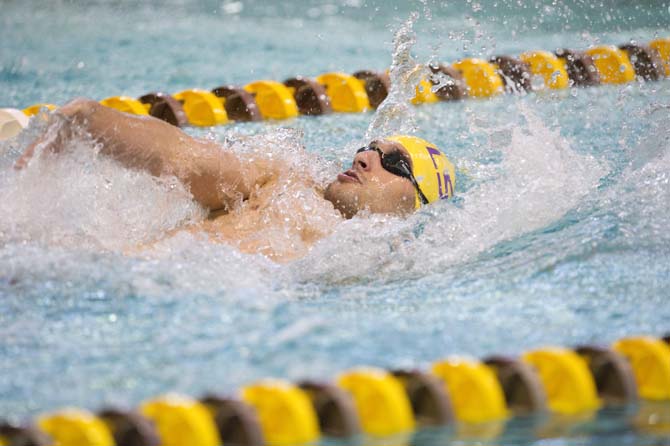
x=397, y=163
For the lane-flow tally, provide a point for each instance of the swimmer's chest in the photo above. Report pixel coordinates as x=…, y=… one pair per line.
x=277, y=221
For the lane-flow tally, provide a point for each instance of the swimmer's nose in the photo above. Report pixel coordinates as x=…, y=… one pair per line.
x=362, y=160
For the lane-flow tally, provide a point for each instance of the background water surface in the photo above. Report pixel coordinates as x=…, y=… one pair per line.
x=559, y=234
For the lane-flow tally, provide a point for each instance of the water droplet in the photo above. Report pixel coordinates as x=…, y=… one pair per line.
x=537, y=82
x=232, y=7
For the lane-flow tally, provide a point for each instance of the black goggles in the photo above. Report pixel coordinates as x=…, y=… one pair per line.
x=397, y=163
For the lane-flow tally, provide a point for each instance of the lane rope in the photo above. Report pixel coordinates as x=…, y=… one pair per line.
x=477, y=396
x=365, y=90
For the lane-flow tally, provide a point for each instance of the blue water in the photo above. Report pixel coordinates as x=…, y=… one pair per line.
x=559, y=234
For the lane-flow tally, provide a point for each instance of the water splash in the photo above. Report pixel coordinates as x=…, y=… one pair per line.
x=85, y=200
x=639, y=199
x=87, y=204
x=538, y=180
x=283, y=221
x=396, y=115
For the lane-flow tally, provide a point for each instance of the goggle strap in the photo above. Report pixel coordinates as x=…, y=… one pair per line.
x=422, y=197
x=408, y=174
x=402, y=166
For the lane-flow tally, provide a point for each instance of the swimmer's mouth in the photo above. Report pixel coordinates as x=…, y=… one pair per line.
x=349, y=176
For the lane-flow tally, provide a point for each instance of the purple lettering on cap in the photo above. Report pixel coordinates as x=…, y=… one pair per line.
x=449, y=186
x=439, y=185
x=447, y=179
x=432, y=151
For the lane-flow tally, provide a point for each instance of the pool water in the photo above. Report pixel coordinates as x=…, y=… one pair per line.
x=559, y=233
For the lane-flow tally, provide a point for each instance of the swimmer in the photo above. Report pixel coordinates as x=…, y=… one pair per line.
x=394, y=176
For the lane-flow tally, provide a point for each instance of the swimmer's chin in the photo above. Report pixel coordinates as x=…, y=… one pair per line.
x=346, y=204
x=346, y=198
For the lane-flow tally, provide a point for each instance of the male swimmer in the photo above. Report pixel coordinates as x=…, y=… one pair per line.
x=395, y=175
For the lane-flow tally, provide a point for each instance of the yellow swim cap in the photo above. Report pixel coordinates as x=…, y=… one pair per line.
x=431, y=168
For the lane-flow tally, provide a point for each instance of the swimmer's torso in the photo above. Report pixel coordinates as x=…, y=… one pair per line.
x=258, y=202
x=281, y=220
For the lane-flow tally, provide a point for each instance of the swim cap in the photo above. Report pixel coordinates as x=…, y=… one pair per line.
x=431, y=168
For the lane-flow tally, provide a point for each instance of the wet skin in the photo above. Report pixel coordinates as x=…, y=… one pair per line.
x=236, y=191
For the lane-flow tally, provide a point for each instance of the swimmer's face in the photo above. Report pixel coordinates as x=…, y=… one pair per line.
x=367, y=185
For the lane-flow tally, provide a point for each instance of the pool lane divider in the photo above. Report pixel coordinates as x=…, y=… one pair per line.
x=479, y=396
x=365, y=90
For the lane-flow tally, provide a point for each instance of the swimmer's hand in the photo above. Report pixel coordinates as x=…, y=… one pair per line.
x=58, y=131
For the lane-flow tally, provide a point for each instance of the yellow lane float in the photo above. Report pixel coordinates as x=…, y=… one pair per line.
x=650, y=359
x=181, y=420
x=612, y=63
x=126, y=104
x=347, y=94
x=12, y=121
x=380, y=399
x=481, y=77
x=547, y=66
x=202, y=107
x=274, y=99
x=663, y=48
x=475, y=392
x=36, y=108
x=424, y=93
x=70, y=427
x=566, y=378
x=284, y=411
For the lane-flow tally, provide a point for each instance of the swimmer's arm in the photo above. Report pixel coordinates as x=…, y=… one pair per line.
x=216, y=178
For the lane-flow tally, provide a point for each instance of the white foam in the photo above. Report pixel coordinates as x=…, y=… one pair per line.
x=77, y=204
x=539, y=179
x=641, y=196
x=78, y=198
